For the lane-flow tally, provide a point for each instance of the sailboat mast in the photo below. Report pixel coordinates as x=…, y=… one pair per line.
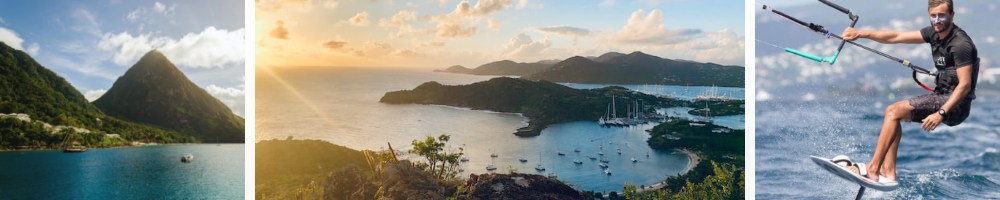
x=614, y=110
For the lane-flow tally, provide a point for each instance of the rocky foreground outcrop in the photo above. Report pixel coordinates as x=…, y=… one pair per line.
x=517, y=186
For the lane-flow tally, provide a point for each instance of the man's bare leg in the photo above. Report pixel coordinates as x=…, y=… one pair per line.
x=888, y=141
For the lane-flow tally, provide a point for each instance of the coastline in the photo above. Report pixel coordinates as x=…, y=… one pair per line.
x=111, y=147
x=693, y=161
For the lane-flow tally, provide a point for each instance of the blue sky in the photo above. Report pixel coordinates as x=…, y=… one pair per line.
x=92, y=43
x=441, y=33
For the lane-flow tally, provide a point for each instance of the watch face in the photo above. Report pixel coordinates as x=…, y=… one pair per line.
x=941, y=111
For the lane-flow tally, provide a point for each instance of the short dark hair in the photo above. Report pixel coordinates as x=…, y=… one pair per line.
x=936, y=3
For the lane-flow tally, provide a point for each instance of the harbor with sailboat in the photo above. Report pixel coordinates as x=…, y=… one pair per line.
x=486, y=136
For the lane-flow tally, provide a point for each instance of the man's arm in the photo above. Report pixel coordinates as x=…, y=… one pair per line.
x=963, y=88
x=884, y=36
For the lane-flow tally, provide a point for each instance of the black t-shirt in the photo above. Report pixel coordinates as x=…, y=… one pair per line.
x=953, y=51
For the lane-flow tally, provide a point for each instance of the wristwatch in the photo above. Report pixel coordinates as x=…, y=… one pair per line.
x=941, y=112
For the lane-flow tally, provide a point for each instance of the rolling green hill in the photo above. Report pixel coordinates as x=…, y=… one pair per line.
x=542, y=102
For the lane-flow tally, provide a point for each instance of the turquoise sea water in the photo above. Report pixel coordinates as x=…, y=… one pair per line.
x=148, y=172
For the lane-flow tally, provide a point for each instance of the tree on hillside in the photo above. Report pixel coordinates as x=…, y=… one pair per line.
x=434, y=150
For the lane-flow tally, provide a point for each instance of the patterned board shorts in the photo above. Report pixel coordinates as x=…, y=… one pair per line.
x=925, y=105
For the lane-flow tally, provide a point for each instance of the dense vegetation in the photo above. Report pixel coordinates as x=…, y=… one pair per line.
x=724, y=182
x=718, y=107
x=15, y=133
x=640, y=68
x=542, y=102
x=29, y=88
x=725, y=149
x=154, y=91
x=313, y=169
x=283, y=166
x=697, y=138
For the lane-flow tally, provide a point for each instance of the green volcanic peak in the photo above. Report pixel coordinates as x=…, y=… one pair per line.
x=154, y=91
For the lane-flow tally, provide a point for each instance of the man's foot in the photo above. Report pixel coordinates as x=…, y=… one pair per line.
x=887, y=174
x=873, y=175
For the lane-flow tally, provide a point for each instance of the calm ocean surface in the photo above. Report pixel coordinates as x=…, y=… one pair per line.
x=341, y=105
x=149, y=172
x=960, y=162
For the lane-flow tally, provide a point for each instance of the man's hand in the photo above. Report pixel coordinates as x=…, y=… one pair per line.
x=850, y=34
x=931, y=122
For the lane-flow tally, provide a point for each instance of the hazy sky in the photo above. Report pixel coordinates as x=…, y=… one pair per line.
x=92, y=43
x=441, y=33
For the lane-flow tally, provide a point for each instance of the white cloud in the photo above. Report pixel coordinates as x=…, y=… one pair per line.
x=210, y=48
x=33, y=49
x=608, y=3
x=649, y=29
x=398, y=19
x=524, y=3
x=294, y=5
x=334, y=44
x=163, y=9
x=141, y=12
x=279, y=31
x=134, y=15
x=522, y=46
x=434, y=43
x=493, y=24
x=330, y=4
x=233, y=97
x=563, y=30
x=406, y=30
x=93, y=95
x=360, y=19
x=460, y=22
x=10, y=38
x=86, y=23
x=374, y=49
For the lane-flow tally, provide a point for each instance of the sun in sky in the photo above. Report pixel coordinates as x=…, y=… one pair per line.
x=92, y=43
x=441, y=33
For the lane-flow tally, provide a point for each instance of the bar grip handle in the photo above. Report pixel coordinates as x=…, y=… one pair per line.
x=835, y=6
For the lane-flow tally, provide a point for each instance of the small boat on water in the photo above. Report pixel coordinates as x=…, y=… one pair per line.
x=491, y=167
x=607, y=171
x=187, y=157
x=600, y=153
x=603, y=165
x=74, y=150
x=539, y=167
x=74, y=147
x=592, y=158
x=560, y=153
x=522, y=159
x=494, y=154
x=464, y=159
x=619, y=152
x=578, y=162
x=634, y=160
